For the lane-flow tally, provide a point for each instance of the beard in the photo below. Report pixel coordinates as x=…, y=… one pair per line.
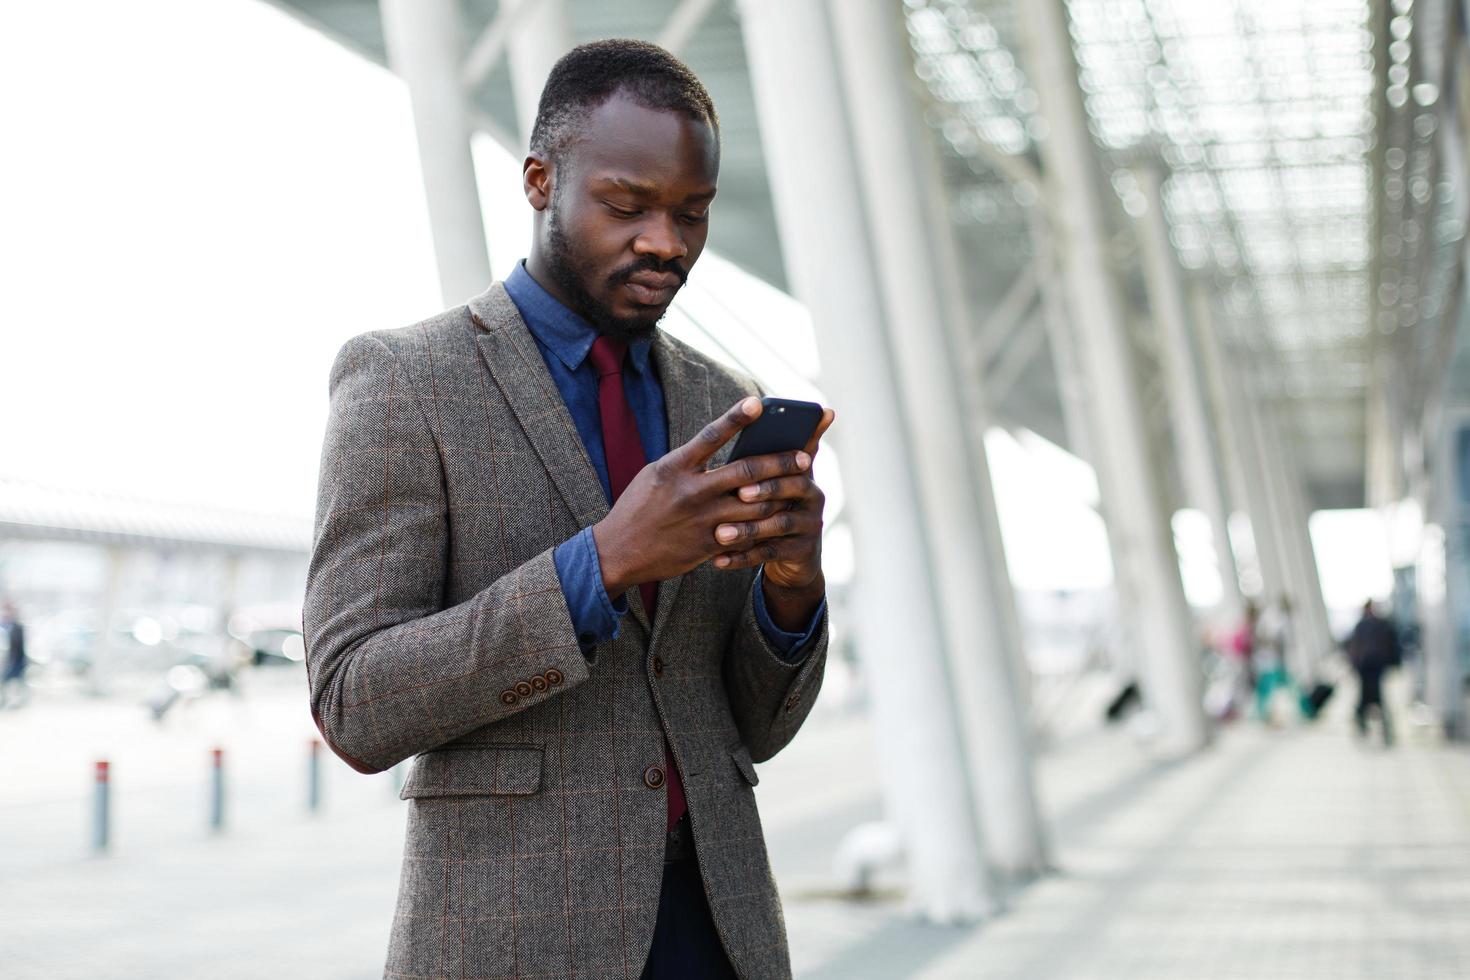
x=572, y=274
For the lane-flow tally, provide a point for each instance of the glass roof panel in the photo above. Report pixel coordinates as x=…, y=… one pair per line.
x=1262, y=111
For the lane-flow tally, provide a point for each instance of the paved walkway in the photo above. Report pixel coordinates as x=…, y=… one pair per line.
x=1279, y=856
x=1291, y=854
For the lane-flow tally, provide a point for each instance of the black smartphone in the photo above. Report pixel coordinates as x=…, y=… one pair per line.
x=785, y=426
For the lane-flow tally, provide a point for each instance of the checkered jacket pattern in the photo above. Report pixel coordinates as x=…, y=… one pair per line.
x=436, y=628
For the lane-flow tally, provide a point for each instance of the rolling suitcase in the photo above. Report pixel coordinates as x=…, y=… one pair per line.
x=1318, y=697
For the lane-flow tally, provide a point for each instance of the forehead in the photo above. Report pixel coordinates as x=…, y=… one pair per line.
x=661, y=147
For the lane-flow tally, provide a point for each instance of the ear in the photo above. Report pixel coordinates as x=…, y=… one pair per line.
x=537, y=175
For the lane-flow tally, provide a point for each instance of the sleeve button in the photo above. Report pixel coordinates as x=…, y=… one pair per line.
x=538, y=683
x=523, y=689
x=553, y=677
x=508, y=697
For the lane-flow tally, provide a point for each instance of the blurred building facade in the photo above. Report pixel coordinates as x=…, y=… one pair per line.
x=1215, y=250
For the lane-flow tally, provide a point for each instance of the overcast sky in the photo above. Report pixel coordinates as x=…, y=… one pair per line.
x=201, y=202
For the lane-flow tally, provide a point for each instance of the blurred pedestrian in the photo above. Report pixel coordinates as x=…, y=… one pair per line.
x=14, y=644
x=1373, y=648
x=1240, y=654
x=1270, y=654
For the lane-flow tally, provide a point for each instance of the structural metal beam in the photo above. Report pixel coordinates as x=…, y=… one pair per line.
x=896, y=159
x=541, y=36
x=683, y=23
x=490, y=46
x=819, y=209
x=998, y=326
x=999, y=378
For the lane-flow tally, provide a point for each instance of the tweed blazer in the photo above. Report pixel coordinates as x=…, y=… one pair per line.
x=436, y=627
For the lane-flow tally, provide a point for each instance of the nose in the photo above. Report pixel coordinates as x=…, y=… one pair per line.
x=662, y=239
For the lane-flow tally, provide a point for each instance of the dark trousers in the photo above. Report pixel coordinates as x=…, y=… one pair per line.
x=685, y=944
x=1370, y=695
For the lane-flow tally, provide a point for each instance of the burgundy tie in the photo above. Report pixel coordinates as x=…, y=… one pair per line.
x=624, y=450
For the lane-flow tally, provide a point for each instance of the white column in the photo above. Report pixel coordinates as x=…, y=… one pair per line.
x=426, y=41
x=1188, y=409
x=1238, y=447
x=109, y=603
x=1149, y=588
x=540, y=37
x=1444, y=576
x=1061, y=339
x=895, y=157
x=1313, y=635
x=1277, y=525
x=818, y=199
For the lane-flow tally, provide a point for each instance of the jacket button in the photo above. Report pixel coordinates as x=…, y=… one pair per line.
x=658, y=667
x=538, y=683
x=553, y=677
x=791, y=703
x=508, y=697
x=653, y=777
x=523, y=689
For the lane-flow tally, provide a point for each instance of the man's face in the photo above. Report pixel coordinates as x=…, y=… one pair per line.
x=628, y=213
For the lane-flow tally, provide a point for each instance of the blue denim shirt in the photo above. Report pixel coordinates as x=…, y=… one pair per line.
x=564, y=339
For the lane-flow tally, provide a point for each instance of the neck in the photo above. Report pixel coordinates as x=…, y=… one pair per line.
x=540, y=271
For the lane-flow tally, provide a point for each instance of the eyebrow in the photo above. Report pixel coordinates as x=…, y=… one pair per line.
x=638, y=189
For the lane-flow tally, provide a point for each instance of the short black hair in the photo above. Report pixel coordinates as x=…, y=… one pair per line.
x=590, y=74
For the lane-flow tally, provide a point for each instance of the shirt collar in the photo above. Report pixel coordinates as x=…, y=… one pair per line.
x=561, y=331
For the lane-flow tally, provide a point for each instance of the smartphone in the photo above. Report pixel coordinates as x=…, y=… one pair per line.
x=785, y=426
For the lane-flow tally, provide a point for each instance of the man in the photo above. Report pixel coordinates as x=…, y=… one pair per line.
x=14, y=668
x=1372, y=649
x=531, y=571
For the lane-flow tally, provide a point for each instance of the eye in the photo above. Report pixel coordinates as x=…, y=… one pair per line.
x=695, y=219
x=624, y=213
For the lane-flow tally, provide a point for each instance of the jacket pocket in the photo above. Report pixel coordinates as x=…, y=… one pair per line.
x=478, y=770
x=743, y=762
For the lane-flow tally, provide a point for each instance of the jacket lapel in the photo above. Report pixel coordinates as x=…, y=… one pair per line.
x=687, y=409
x=514, y=362
x=511, y=355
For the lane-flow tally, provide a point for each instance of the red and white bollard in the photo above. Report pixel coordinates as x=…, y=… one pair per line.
x=101, y=807
x=217, y=791
x=314, y=777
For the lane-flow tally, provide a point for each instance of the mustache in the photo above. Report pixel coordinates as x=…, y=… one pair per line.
x=648, y=264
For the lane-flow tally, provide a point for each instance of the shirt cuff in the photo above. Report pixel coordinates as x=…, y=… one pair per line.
x=792, y=647
x=595, y=617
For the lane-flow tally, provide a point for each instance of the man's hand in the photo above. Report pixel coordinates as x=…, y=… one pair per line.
x=665, y=522
x=788, y=543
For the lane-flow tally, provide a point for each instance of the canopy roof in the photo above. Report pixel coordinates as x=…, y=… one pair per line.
x=1308, y=190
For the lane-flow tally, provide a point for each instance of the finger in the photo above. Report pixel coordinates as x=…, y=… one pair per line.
x=778, y=488
x=732, y=510
x=739, y=535
x=828, y=417
x=754, y=469
x=697, y=451
x=777, y=549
